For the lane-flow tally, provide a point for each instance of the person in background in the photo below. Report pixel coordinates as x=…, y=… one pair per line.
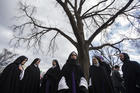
x=117, y=80
x=50, y=79
x=131, y=74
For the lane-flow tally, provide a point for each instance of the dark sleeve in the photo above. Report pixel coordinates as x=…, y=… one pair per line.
x=108, y=68
x=27, y=73
x=117, y=74
x=90, y=88
x=137, y=70
x=50, y=73
x=62, y=72
x=81, y=71
x=83, y=90
x=90, y=71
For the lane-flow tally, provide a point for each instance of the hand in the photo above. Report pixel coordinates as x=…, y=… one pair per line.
x=20, y=67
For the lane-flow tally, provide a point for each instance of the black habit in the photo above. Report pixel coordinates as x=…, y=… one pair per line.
x=100, y=80
x=72, y=75
x=31, y=80
x=10, y=77
x=117, y=82
x=131, y=75
x=50, y=80
x=107, y=67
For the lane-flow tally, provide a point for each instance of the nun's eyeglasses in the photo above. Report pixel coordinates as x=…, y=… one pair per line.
x=74, y=55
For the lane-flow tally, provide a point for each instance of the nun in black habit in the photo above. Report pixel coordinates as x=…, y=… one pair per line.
x=99, y=82
x=50, y=79
x=131, y=74
x=11, y=76
x=72, y=79
x=31, y=80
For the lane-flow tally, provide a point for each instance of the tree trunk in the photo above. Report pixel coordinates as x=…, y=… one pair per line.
x=83, y=54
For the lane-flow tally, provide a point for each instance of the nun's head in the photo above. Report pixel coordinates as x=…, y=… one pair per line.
x=73, y=58
x=24, y=61
x=96, y=60
x=21, y=60
x=124, y=57
x=73, y=55
x=36, y=61
x=54, y=62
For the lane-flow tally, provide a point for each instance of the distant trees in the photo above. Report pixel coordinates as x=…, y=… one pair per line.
x=6, y=57
x=109, y=54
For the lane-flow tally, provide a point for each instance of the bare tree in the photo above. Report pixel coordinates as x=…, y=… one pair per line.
x=95, y=18
x=6, y=57
x=110, y=55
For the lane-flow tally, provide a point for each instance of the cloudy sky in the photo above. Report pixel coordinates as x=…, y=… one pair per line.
x=48, y=12
x=8, y=9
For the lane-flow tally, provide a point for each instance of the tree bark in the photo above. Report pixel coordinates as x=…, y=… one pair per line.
x=83, y=56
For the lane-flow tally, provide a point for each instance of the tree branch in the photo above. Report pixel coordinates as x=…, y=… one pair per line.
x=71, y=19
x=100, y=47
x=80, y=6
x=109, y=22
x=112, y=45
x=93, y=7
x=33, y=21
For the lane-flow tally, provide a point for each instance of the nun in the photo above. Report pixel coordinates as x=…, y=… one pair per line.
x=99, y=81
x=50, y=79
x=72, y=78
x=31, y=79
x=11, y=76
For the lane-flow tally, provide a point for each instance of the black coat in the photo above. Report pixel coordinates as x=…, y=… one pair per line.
x=67, y=70
x=50, y=80
x=107, y=67
x=116, y=79
x=131, y=74
x=100, y=80
x=31, y=80
x=9, y=79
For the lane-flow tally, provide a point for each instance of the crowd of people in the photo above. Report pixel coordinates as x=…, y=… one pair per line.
x=71, y=79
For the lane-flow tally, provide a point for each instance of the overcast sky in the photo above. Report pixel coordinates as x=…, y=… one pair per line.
x=48, y=11
x=8, y=10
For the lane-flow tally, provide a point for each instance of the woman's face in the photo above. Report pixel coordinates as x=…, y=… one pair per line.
x=95, y=60
x=121, y=57
x=74, y=56
x=54, y=63
x=38, y=62
x=24, y=61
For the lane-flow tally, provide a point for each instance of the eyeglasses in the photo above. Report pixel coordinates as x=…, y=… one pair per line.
x=73, y=55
